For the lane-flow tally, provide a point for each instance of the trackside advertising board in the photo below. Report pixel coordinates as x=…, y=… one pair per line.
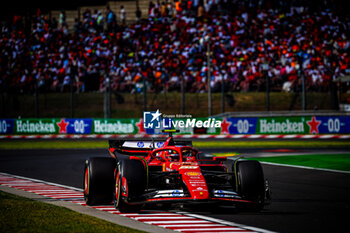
x=287, y=125
x=114, y=126
x=36, y=126
x=303, y=125
x=239, y=125
x=6, y=126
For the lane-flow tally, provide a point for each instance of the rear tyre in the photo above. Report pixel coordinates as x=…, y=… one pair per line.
x=130, y=185
x=251, y=184
x=99, y=180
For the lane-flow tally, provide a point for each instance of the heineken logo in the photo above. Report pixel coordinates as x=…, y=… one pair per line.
x=286, y=126
x=112, y=127
x=26, y=126
x=236, y=125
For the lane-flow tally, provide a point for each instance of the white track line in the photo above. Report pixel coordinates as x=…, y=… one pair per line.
x=42, y=181
x=187, y=225
x=110, y=208
x=210, y=219
x=211, y=229
x=152, y=218
x=179, y=221
x=157, y=214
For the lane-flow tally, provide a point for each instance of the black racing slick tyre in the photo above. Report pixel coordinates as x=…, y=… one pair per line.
x=251, y=184
x=130, y=185
x=99, y=180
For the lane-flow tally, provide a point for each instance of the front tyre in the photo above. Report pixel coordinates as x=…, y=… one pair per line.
x=130, y=184
x=251, y=183
x=99, y=180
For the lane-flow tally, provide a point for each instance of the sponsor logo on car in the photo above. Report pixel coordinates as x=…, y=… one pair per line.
x=193, y=173
x=201, y=189
x=188, y=167
x=225, y=194
x=176, y=193
x=140, y=144
x=219, y=193
x=160, y=144
x=196, y=183
x=169, y=193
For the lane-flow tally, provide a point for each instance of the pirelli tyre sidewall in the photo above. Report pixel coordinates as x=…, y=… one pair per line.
x=99, y=180
x=251, y=184
x=130, y=185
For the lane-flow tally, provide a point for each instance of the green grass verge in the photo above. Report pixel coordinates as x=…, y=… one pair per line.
x=327, y=161
x=19, y=214
x=92, y=144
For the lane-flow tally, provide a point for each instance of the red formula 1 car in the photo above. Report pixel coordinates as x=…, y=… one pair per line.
x=142, y=172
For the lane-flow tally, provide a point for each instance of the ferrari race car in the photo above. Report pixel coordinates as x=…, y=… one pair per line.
x=171, y=172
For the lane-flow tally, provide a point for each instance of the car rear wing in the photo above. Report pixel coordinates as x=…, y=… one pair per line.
x=142, y=146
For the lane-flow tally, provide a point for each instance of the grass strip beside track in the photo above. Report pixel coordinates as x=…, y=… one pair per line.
x=103, y=144
x=19, y=214
x=327, y=161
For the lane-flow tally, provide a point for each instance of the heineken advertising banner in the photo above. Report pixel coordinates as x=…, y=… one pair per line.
x=69, y=126
x=287, y=125
x=115, y=126
x=239, y=125
x=303, y=125
x=36, y=126
x=334, y=125
x=6, y=126
x=78, y=126
x=282, y=125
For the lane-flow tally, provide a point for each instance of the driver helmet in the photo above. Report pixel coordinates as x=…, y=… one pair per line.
x=188, y=155
x=173, y=156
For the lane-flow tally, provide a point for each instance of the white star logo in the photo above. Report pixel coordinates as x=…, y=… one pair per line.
x=156, y=115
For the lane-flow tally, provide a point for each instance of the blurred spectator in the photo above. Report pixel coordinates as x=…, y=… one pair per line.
x=291, y=38
x=111, y=20
x=122, y=15
x=138, y=14
x=62, y=18
x=100, y=21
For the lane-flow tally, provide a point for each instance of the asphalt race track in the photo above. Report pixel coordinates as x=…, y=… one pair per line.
x=302, y=200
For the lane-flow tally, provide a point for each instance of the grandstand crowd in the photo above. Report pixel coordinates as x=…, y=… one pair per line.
x=248, y=42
